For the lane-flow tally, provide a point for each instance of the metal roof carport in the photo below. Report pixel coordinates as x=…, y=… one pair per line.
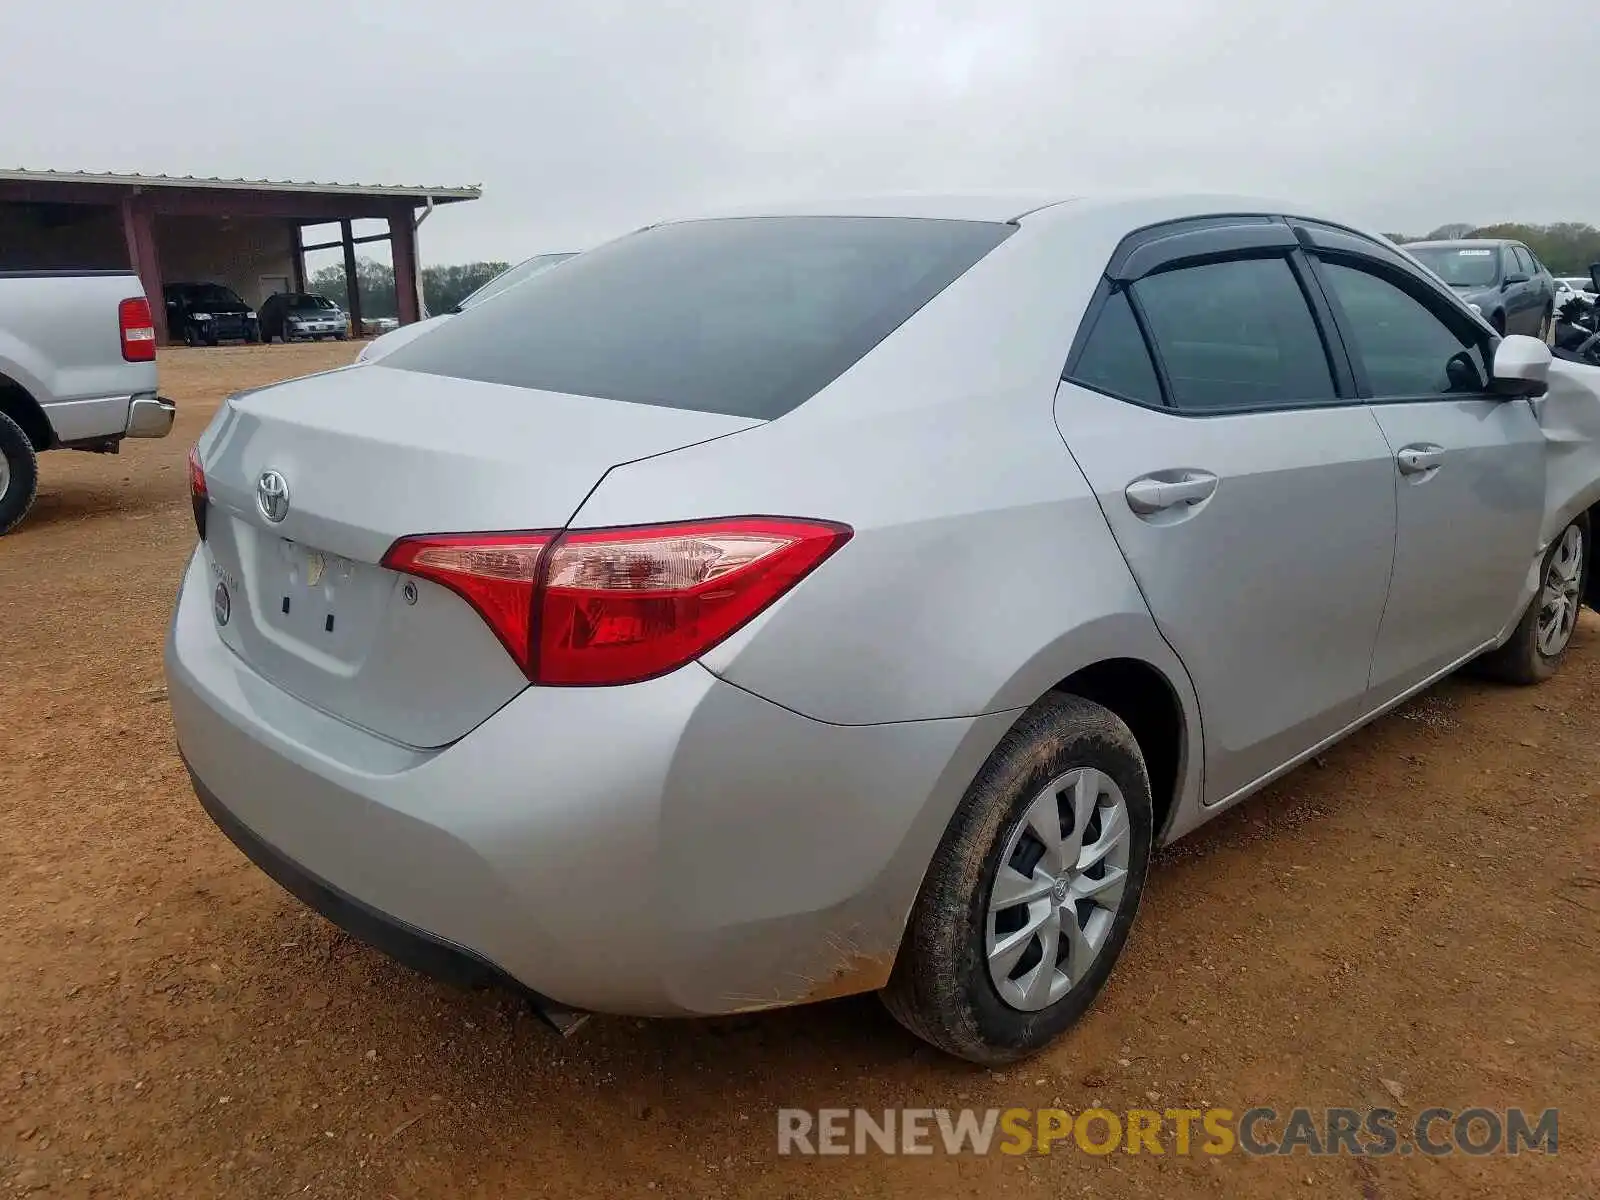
x=243, y=232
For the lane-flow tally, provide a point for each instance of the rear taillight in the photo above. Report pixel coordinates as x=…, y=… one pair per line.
x=138, y=330
x=617, y=606
x=495, y=573
x=198, y=495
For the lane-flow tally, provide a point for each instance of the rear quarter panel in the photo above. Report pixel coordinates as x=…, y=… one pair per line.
x=981, y=572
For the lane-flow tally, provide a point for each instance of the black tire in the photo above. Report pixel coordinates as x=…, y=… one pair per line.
x=1547, y=326
x=22, y=474
x=1499, y=323
x=189, y=338
x=941, y=989
x=1520, y=661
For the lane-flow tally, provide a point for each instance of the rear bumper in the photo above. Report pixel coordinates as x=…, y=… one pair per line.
x=150, y=417
x=677, y=847
x=407, y=945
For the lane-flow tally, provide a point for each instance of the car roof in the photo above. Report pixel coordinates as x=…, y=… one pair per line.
x=1139, y=207
x=970, y=206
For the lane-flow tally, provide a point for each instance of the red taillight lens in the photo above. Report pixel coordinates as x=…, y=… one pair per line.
x=199, y=496
x=623, y=605
x=620, y=605
x=495, y=573
x=138, y=330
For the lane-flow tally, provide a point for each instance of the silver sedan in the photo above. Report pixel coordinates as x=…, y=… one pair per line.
x=765, y=608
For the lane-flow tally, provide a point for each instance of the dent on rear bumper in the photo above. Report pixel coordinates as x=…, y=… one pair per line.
x=671, y=848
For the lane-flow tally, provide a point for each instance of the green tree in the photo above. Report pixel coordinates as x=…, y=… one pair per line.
x=445, y=287
x=375, y=279
x=1567, y=247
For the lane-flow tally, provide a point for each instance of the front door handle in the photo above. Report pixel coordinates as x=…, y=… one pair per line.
x=1153, y=493
x=1419, y=459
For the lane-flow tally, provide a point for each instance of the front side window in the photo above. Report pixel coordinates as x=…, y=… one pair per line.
x=1405, y=349
x=1524, y=261
x=744, y=316
x=1236, y=334
x=1115, y=359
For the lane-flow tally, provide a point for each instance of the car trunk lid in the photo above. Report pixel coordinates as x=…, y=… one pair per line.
x=310, y=482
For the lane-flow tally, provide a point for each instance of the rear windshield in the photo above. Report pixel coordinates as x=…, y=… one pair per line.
x=1461, y=266
x=745, y=316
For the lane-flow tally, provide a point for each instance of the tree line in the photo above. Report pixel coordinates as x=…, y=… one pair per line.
x=442, y=287
x=1567, y=247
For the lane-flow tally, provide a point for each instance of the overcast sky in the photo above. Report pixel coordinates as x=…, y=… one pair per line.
x=583, y=119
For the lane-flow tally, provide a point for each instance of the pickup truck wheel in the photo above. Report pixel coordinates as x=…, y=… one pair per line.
x=1536, y=647
x=1033, y=890
x=19, y=474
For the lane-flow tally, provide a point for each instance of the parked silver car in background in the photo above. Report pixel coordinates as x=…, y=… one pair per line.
x=391, y=341
x=767, y=608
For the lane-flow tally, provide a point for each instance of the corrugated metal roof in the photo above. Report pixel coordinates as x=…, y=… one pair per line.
x=215, y=183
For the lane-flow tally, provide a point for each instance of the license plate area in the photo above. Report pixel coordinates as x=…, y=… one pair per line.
x=325, y=602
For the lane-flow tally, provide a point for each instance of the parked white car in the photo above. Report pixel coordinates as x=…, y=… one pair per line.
x=402, y=335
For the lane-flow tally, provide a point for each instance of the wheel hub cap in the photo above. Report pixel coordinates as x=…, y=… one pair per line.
x=1058, y=888
x=1559, y=599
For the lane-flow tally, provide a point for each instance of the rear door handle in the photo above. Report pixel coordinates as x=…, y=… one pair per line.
x=1419, y=459
x=1153, y=494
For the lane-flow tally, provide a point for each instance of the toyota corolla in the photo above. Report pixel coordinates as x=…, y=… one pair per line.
x=766, y=608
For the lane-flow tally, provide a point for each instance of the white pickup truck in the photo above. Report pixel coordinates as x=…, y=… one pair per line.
x=77, y=372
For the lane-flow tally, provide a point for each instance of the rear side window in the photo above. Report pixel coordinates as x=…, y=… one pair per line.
x=1236, y=335
x=745, y=316
x=1115, y=358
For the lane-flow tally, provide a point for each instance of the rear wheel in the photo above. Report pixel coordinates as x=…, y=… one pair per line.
x=19, y=474
x=1536, y=647
x=1499, y=323
x=1033, y=890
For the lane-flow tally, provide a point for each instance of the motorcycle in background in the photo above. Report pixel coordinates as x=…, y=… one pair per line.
x=1577, y=328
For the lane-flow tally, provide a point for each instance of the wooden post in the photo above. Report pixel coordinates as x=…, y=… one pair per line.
x=299, y=255
x=403, y=251
x=351, y=284
x=139, y=228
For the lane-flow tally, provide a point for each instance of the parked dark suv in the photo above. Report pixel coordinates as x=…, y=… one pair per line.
x=1502, y=280
x=209, y=313
x=291, y=315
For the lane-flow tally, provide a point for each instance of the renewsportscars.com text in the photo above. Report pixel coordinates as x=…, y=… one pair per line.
x=1375, y=1132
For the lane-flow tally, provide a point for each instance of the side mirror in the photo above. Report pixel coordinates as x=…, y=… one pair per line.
x=1513, y=277
x=1521, y=366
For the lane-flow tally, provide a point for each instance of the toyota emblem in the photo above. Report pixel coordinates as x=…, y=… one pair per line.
x=272, y=496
